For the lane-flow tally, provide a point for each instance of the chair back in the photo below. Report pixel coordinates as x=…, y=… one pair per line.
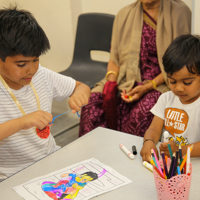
x=94, y=32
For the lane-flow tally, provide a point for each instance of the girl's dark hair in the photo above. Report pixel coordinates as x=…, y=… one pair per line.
x=21, y=34
x=183, y=51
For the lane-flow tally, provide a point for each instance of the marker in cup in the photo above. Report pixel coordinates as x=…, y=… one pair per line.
x=126, y=151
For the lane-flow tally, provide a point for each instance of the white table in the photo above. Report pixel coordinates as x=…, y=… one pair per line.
x=102, y=144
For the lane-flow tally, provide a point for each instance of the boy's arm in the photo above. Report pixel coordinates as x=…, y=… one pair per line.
x=79, y=97
x=9, y=128
x=39, y=119
x=151, y=138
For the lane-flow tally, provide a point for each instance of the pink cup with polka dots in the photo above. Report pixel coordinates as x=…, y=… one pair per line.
x=176, y=188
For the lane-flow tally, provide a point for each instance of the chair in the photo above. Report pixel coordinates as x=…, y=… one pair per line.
x=93, y=33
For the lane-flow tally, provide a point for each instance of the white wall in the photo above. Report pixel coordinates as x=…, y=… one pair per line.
x=196, y=17
x=58, y=18
x=55, y=17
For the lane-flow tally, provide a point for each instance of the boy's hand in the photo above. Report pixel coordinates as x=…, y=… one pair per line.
x=163, y=147
x=77, y=100
x=146, y=150
x=40, y=119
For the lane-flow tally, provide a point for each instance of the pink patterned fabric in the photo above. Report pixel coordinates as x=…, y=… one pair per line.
x=133, y=118
x=149, y=67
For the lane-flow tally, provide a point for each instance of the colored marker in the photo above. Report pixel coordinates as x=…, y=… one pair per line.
x=176, y=163
x=180, y=153
x=126, y=151
x=164, y=163
x=178, y=170
x=151, y=160
x=185, y=158
x=165, y=135
x=188, y=161
x=171, y=166
x=148, y=166
x=134, y=150
x=170, y=150
x=161, y=175
x=159, y=168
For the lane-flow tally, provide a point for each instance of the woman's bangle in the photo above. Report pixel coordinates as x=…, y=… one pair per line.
x=110, y=72
x=147, y=140
x=153, y=82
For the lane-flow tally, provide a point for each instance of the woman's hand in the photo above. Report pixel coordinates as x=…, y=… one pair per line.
x=136, y=93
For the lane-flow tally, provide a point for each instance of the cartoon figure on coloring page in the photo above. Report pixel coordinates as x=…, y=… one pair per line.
x=68, y=187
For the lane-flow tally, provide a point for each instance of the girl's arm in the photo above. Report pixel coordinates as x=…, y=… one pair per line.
x=151, y=138
x=195, y=151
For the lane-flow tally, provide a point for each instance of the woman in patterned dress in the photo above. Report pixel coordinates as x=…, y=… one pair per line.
x=135, y=77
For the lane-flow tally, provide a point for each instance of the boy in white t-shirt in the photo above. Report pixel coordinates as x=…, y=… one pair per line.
x=27, y=91
x=178, y=111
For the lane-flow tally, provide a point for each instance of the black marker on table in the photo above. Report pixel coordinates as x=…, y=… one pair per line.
x=134, y=150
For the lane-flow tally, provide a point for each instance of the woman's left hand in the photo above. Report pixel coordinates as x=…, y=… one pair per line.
x=134, y=94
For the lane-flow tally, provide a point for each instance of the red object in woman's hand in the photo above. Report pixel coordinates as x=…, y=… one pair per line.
x=126, y=96
x=44, y=133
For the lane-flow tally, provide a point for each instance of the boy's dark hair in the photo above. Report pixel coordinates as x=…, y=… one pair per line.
x=183, y=51
x=21, y=34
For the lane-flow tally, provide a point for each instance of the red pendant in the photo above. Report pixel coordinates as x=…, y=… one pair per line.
x=44, y=133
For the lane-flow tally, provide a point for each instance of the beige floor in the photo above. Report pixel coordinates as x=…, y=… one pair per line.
x=65, y=128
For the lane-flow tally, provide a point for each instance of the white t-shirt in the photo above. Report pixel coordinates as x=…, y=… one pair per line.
x=180, y=120
x=25, y=147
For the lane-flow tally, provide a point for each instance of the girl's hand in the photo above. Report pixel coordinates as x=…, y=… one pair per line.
x=77, y=100
x=39, y=119
x=146, y=150
x=163, y=147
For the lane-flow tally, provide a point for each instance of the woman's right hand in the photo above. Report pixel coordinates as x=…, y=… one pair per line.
x=39, y=119
x=136, y=93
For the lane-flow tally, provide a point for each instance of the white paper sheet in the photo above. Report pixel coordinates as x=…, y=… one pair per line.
x=107, y=179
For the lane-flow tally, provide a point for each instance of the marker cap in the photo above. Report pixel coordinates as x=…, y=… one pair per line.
x=134, y=150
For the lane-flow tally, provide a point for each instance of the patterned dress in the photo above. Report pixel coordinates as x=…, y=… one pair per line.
x=133, y=118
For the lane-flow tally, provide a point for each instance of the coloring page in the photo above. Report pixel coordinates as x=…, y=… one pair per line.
x=80, y=181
